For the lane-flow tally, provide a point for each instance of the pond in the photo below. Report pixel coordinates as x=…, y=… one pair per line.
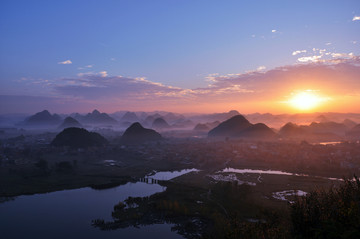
x=257, y=171
x=284, y=195
x=272, y=172
x=330, y=143
x=170, y=175
x=68, y=213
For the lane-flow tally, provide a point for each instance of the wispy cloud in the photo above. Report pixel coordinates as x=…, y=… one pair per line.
x=342, y=55
x=103, y=73
x=321, y=55
x=253, y=83
x=356, y=18
x=85, y=67
x=309, y=59
x=298, y=52
x=81, y=74
x=92, y=73
x=261, y=68
x=100, y=85
x=239, y=89
x=341, y=75
x=67, y=62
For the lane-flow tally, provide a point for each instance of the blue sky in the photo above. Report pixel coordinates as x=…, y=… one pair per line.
x=173, y=43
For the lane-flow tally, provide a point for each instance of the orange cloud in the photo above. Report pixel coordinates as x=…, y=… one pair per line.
x=257, y=91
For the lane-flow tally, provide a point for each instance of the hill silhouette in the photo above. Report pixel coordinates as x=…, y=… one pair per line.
x=349, y=123
x=327, y=127
x=356, y=127
x=239, y=126
x=231, y=127
x=43, y=118
x=215, y=117
x=149, y=120
x=78, y=138
x=258, y=130
x=182, y=123
x=291, y=130
x=354, y=132
x=136, y=134
x=201, y=127
x=315, y=131
x=96, y=117
x=172, y=118
x=321, y=119
x=160, y=123
x=70, y=122
x=129, y=117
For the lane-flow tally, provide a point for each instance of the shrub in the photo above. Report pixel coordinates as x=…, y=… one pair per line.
x=328, y=214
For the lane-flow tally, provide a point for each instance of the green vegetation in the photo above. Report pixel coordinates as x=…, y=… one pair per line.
x=228, y=210
x=213, y=210
x=196, y=204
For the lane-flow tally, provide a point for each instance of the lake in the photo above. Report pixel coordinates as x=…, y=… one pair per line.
x=273, y=172
x=68, y=213
x=170, y=175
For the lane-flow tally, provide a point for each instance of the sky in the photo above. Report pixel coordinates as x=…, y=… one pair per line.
x=180, y=56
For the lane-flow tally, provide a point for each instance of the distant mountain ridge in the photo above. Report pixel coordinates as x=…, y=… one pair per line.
x=43, y=118
x=160, y=123
x=327, y=130
x=290, y=129
x=259, y=131
x=230, y=127
x=129, y=117
x=354, y=132
x=70, y=122
x=201, y=127
x=136, y=134
x=239, y=126
x=95, y=117
x=215, y=117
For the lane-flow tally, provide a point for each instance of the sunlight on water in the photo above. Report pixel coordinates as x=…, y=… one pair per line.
x=272, y=172
x=170, y=175
x=275, y=172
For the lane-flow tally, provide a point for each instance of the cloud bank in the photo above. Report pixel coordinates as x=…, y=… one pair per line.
x=249, y=92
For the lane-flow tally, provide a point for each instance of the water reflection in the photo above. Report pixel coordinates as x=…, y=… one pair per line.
x=330, y=143
x=170, y=175
x=68, y=214
x=273, y=172
x=284, y=195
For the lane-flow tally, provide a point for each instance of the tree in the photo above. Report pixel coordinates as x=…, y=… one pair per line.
x=42, y=164
x=328, y=214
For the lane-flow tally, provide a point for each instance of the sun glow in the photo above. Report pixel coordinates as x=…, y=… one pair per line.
x=306, y=100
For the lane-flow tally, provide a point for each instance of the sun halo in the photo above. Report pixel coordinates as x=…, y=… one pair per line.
x=305, y=100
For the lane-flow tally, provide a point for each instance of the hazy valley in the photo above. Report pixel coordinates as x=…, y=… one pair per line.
x=263, y=167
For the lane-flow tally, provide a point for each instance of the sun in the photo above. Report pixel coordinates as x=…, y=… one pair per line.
x=305, y=100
